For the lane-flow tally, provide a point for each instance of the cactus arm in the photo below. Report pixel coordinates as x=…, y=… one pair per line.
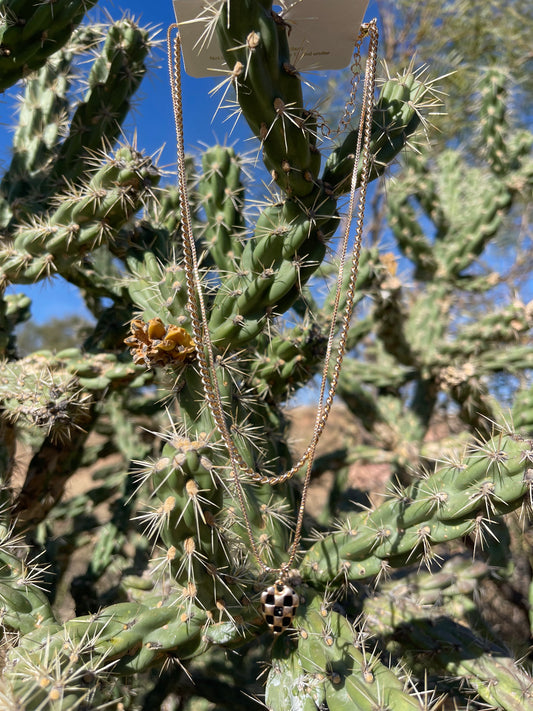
x=494, y=478
x=390, y=314
x=81, y=221
x=287, y=362
x=222, y=198
x=41, y=118
x=288, y=250
x=522, y=411
x=41, y=159
x=486, y=667
x=458, y=254
x=126, y=637
x=464, y=363
x=24, y=606
x=396, y=118
x=30, y=33
x=187, y=483
x=506, y=325
x=273, y=269
x=325, y=662
x=270, y=93
x=115, y=76
x=494, y=124
x=409, y=234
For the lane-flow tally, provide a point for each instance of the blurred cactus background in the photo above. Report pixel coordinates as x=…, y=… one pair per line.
x=126, y=578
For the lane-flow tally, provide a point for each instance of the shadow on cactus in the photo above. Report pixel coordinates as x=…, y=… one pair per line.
x=142, y=589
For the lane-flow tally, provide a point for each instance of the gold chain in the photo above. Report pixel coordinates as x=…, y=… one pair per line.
x=198, y=312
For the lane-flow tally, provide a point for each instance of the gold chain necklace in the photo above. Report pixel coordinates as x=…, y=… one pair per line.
x=279, y=601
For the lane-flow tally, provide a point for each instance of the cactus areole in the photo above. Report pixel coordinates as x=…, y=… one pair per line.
x=279, y=601
x=320, y=35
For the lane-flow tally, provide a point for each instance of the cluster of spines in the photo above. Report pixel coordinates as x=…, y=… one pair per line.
x=435, y=612
x=327, y=660
x=31, y=32
x=82, y=220
x=455, y=501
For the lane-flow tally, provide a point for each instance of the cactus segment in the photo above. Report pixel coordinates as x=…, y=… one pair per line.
x=222, y=197
x=522, y=412
x=492, y=479
x=114, y=77
x=325, y=662
x=487, y=668
x=269, y=93
x=81, y=222
x=30, y=32
x=395, y=119
x=494, y=96
x=37, y=133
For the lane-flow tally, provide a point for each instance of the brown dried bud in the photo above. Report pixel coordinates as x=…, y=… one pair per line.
x=155, y=344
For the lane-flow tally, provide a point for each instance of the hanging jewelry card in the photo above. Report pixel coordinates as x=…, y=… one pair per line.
x=322, y=34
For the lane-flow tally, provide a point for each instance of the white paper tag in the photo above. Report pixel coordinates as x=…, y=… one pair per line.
x=323, y=34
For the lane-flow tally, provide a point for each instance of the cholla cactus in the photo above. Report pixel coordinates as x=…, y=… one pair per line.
x=168, y=585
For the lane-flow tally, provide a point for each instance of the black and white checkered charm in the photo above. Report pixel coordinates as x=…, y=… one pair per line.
x=279, y=603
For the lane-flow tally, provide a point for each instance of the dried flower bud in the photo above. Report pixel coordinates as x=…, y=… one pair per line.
x=155, y=344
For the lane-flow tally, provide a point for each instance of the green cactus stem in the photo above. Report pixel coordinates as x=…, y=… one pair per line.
x=30, y=32
x=327, y=661
x=82, y=220
x=222, y=197
x=448, y=504
x=494, y=677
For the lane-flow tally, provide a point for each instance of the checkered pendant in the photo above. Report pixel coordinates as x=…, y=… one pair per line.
x=279, y=603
